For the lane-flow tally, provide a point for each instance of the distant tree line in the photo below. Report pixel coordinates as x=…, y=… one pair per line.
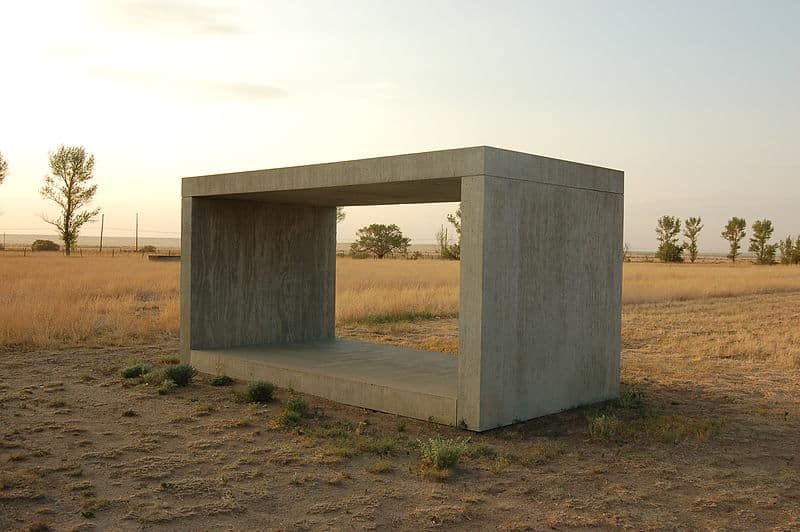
x=668, y=229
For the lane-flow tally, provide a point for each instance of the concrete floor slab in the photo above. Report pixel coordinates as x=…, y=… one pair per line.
x=397, y=380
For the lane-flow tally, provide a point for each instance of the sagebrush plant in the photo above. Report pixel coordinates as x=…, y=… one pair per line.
x=442, y=453
x=181, y=374
x=133, y=372
x=259, y=392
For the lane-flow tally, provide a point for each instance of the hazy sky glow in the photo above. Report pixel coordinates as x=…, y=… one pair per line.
x=699, y=102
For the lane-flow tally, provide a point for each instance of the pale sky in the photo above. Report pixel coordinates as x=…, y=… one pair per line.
x=698, y=102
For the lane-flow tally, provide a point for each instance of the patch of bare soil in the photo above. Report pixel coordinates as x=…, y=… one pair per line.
x=705, y=436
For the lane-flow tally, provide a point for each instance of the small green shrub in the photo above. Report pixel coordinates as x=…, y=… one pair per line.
x=441, y=453
x=167, y=386
x=134, y=371
x=44, y=245
x=259, y=392
x=147, y=249
x=296, y=404
x=181, y=374
x=220, y=380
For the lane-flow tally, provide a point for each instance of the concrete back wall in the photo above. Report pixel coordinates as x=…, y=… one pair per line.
x=260, y=273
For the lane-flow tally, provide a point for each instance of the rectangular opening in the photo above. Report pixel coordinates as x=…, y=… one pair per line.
x=362, y=368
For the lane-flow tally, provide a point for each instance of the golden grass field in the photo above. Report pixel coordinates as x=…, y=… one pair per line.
x=48, y=300
x=705, y=436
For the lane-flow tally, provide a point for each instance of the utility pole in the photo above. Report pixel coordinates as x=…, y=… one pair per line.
x=136, y=244
x=102, y=222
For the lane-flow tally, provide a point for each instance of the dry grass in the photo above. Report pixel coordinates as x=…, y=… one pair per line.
x=49, y=301
x=703, y=437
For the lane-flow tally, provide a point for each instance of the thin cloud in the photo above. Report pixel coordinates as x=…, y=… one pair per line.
x=175, y=15
x=252, y=91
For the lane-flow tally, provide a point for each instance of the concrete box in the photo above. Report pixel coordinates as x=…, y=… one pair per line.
x=541, y=283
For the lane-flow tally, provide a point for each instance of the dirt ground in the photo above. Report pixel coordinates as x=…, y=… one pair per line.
x=706, y=436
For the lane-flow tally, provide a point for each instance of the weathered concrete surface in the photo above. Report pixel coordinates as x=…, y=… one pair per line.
x=541, y=299
x=256, y=273
x=412, y=178
x=398, y=380
x=541, y=275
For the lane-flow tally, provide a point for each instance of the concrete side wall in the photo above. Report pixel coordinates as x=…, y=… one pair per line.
x=471, y=302
x=256, y=273
x=551, y=302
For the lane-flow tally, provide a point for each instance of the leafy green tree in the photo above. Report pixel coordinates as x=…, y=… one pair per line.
x=379, y=240
x=734, y=233
x=3, y=168
x=667, y=232
x=790, y=251
x=68, y=186
x=691, y=229
x=340, y=214
x=759, y=242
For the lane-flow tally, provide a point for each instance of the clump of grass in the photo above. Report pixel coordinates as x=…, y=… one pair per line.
x=481, y=451
x=543, y=451
x=379, y=446
x=441, y=454
x=75, y=472
x=166, y=387
x=133, y=372
x=259, y=392
x=181, y=374
x=604, y=427
x=630, y=398
x=381, y=467
x=294, y=410
x=220, y=380
x=169, y=360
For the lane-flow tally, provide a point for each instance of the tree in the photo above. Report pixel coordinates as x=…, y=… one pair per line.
x=44, y=245
x=759, y=242
x=790, y=251
x=3, y=168
x=446, y=249
x=734, y=233
x=380, y=240
x=340, y=214
x=667, y=232
x=68, y=186
x=626, y=252
x=692, y=227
